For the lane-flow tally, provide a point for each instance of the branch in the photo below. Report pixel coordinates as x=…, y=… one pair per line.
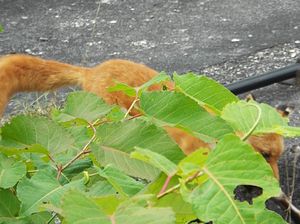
x=189, y=179
x=164, y=188
x=136, y=99
x=84, y=150
x=292, y=208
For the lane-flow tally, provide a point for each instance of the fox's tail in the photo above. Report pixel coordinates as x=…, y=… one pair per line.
x=20, y=73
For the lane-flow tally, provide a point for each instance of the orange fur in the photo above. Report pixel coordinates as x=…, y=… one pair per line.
x=28, y=73
x=270, y=146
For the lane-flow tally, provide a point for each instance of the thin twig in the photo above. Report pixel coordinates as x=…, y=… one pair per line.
x=164, y=187
x=131, y=106
x=284, y=198
x=197, y=174
x=112, y=219
x=84, y=150
x=134, y=116
x=52, y=217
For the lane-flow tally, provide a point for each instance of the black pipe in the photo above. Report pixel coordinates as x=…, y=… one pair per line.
x=259, y=81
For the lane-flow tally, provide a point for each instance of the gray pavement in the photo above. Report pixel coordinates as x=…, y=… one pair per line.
x=177, y=35
x=227, y=40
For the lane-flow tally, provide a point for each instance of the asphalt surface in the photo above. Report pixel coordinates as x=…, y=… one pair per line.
x=227, y=40
x=177, y=35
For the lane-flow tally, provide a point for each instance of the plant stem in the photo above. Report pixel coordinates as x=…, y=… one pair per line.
x=112, y=219
x=134, y=116
x=52, y=217
x=136, y=99
x=84, y=150
x=194, y=176
x=285, y=199
x=164, y=188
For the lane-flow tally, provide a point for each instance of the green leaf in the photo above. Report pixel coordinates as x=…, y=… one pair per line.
x=42, y=188
x=155, y=159
x=117, y=141
x=193, y=162
x=176, y=109
x=121, y=182
x=128, y=90
x=138, y=215
x=138, y=211
x=35, y=148
x=84, y=105
x=101, y=188
x=243, y=115
x=287, y=131
x=11, y=171
x=116, y=114
x=160, y=78
x=182, y=209
x=4, y=220
x=108, y=155
x=109, y=203
x=39, y=218
x=78, y=208
x=80, y=133
x=24, y=131
x=9, y=204
x=77, y=167
x=1, y=29
x=230, y=164
x=205, y=91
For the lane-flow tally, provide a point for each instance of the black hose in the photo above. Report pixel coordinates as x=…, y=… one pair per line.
x=259, y=81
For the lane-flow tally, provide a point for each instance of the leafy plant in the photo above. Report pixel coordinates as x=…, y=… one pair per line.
x=93, y=163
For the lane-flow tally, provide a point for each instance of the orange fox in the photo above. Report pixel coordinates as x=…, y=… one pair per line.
x=27, y=73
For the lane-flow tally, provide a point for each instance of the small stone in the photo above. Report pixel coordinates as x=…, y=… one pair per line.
x=28, y=51
x=294, y=54
x=24, y=17
x=297, y=41
x=43, y=39
x=105, y=1
x=250, y=35
x=113, y=21
x=234, y=40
